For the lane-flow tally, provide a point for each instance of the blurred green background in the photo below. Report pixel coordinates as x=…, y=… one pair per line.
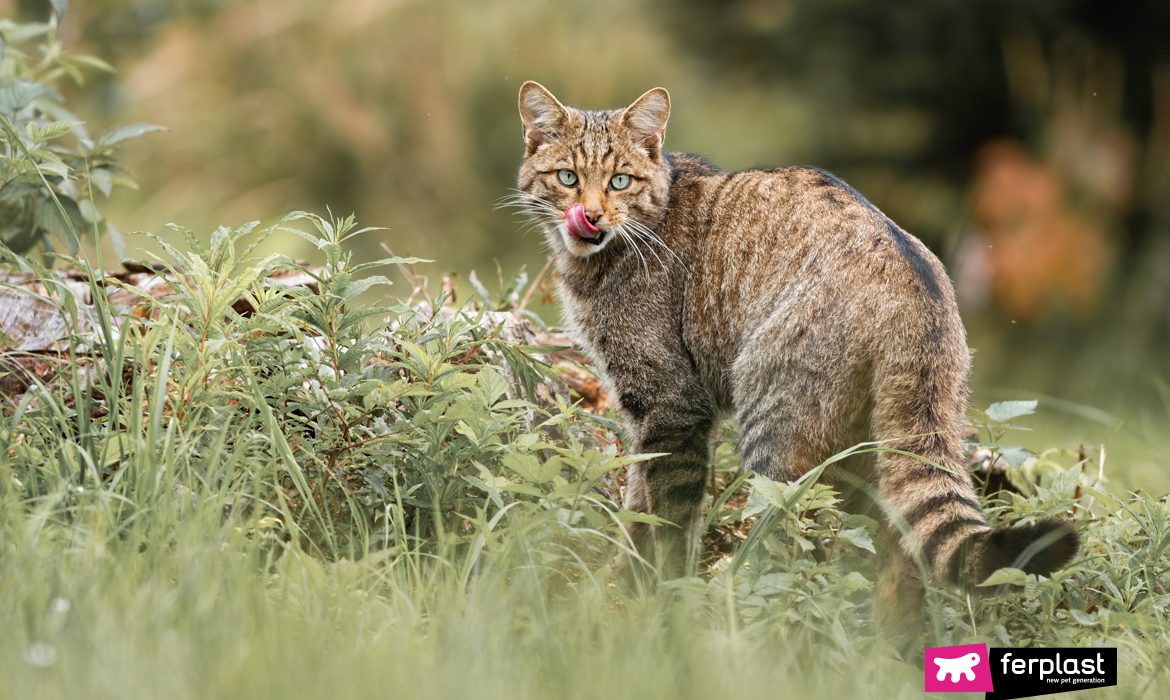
x=1027, y=142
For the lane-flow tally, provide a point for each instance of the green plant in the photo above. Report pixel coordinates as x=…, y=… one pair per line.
x=52, y=171
x=409, y=428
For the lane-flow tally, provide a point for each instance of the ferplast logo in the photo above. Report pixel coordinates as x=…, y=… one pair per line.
x=1004, y=673
x=1022, y=673
x=957, y=669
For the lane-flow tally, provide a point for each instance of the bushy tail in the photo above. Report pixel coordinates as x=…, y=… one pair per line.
x=935, y=504
x=929, y=494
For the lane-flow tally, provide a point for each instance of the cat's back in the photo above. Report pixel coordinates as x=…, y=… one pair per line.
x=781, y=220
x=799, y=241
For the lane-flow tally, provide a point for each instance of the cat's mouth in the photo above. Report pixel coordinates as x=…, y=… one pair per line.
x=596, y=240
x=580, y=227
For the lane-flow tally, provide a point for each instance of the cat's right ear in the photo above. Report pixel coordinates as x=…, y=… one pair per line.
x=542, y=114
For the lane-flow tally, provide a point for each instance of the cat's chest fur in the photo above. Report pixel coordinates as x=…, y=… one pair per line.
x=639, y=326
x=628, y=321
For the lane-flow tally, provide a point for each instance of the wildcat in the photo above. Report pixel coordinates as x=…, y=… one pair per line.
x=784, y=297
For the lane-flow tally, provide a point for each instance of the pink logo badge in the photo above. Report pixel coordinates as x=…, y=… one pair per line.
x=961, y=669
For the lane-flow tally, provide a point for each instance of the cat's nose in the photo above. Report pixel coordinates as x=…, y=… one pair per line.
x=594, y=215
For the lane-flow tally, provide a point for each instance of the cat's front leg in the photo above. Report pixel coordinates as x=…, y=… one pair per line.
x=670, y=487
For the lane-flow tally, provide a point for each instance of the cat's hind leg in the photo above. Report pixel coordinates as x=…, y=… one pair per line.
x=797, y=397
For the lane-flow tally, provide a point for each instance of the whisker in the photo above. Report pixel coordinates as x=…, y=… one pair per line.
x=621, y=231
x=539, y=222
x=528, y=207
x=654, y=238
x=640, y=236
x=539, y=212
x=525, y=200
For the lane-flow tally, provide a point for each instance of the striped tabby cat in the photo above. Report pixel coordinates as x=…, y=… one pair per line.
x=785, y=297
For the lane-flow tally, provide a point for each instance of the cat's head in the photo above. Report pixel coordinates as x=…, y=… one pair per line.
x=593, y=177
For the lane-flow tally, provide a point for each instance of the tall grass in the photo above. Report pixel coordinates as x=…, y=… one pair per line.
x=257, y=491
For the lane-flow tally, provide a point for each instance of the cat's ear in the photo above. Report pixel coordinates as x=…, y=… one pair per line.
x=647, y=116
x=543, y=115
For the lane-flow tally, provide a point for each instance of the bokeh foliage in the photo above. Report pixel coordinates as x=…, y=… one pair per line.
x=371, y=106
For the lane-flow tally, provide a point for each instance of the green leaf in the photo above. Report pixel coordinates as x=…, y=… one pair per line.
x=511, y=405
x=385, y=262
x=332, y=252
x=479, y=288
x=774, y=583
x=529, y=468
x=629, y=516
x=123, y=132
x=466, y=431
x=855, y=581
x=355, y=317
x=804, y=543
x=491, y=384
x=1009, y=577
x=19, y=95
x=339, y=285
x=89, y=212
x=360, y=286
x=49, y=218
x=39, y=133
x=1015, y=456
x=53, y=167
x=526, y=489
x=765, y=493
x=347, y=234
x=116, y=447
x=458, y=379
x=20, y=33
x=311, y=238
x=60, y=7
x=103, y=180
x=92, y=62
x=860, y=538
x=1004, y=411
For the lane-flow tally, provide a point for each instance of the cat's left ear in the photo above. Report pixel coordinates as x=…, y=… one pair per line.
x=647, y=116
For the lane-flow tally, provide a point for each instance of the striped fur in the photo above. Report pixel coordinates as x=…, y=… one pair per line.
x=782, y=296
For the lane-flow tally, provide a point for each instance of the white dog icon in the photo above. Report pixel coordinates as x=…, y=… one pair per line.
x=963, y=665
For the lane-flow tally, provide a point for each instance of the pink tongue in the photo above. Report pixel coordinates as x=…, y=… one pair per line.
x=577, y=224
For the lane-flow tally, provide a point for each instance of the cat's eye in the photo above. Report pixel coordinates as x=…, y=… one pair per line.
x=568, y=178
x=620, y=181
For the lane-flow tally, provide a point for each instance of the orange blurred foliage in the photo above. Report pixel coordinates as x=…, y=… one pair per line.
x=1035, y=251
